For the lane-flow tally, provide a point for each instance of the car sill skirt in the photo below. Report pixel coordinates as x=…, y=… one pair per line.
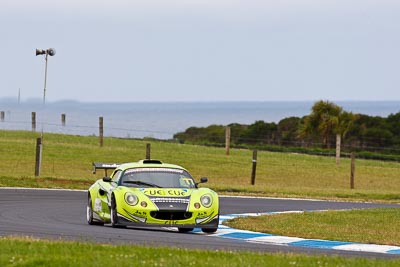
x=124, y=221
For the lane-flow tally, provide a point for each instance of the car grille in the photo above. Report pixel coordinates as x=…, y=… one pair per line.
x=170, y=200
x=171, y=204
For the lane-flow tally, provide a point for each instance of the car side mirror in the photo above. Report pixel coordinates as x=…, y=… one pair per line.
x=107, y=179
x=203, y=180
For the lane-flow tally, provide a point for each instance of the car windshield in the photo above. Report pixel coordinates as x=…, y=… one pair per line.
x=157, y=177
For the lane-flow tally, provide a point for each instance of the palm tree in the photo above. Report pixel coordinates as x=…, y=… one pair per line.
x=322, y=121
x=327, y=119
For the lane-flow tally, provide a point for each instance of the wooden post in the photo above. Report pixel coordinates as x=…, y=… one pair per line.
x=33, y=121
x=227, y=139
x=38, y=161
x=338, y=144
x=101, y=131
x=253, y=171
x=352, y=170
x=148, y=150
x=2, y=116
x=63, y=119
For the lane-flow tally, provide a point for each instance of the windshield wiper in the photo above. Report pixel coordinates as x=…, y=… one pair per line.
x=142, y=183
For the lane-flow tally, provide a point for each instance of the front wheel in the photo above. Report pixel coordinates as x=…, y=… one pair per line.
x=213, y=229
x=113, y=213
x=209, y=230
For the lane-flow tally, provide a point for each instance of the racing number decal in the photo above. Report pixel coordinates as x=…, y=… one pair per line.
x=171, y=222
x=188, y=181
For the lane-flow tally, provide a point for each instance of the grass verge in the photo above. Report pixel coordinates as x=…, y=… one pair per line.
x=376, y=226
x=33, y=252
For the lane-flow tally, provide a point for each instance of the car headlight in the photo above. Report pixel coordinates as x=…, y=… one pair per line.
x=131, y=199
x=206, y=200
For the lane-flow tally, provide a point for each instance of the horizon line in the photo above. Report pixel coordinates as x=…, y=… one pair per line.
x=40, y=101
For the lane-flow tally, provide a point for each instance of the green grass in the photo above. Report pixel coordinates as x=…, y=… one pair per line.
x=376, y=226
x=32, y=252
x=67, y=164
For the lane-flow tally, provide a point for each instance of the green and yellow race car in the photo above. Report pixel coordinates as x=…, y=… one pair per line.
x=152, y=193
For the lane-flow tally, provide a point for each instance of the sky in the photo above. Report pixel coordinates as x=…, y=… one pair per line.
x=201, y=50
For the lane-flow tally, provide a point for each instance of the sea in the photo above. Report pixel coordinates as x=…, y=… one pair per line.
x=161, y=120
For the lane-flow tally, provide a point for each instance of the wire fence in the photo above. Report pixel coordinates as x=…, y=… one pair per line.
x=274, y=171
x=91, y=129
x=85, y=130
x=80, y=123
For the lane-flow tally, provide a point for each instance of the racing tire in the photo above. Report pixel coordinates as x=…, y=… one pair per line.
x=89, y=213
x=184, y=230
x=209, y=230
x=113, y=213
x=212, y=229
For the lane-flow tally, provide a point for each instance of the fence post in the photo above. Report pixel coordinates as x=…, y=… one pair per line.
x=338, y=144
x=352, y=170
x=33, y=121
x=227, y=139
x=38, y=160
x=2, y=116
x=253, y=171
x=148, y=151
x=63, y=119
x=101, y=131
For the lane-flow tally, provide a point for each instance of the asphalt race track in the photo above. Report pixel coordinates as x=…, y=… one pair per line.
x=61, y=214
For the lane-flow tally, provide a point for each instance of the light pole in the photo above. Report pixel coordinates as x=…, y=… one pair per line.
x=47, y=52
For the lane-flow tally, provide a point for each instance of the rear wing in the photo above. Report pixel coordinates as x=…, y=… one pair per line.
x=104, y=166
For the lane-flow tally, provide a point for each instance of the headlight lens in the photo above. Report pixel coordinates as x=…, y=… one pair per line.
x=131, y=199
x=206, y=200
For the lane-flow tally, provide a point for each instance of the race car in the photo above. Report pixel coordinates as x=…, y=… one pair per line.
x=152, y=193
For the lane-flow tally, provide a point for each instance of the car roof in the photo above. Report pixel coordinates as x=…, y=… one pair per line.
x=148, y=164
